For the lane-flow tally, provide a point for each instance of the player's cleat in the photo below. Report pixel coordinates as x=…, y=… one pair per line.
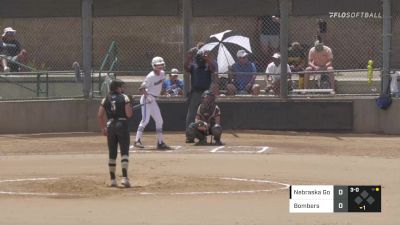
x=189, y=141
x=163, y=146
x=6, y=69
x=218, y=142
x=113, y=183
x=138, y=144
x=125, y=182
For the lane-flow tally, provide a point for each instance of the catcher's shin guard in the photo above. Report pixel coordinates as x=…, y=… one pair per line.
x=191, y=132
x=216, y=131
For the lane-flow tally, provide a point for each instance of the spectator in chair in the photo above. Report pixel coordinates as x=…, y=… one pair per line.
x=297, y=61
x=242, y=77
x=320, y=58
x=274, y=69
x=11, y=49
x=173, y=86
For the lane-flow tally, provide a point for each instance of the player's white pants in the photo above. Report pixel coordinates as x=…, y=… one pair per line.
x=150, y=109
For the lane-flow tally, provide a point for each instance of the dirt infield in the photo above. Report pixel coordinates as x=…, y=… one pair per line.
x=62, y=179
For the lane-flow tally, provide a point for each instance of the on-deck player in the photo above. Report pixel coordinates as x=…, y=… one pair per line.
x=150, y=90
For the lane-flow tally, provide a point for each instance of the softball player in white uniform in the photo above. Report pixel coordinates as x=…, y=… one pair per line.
x=150, y=89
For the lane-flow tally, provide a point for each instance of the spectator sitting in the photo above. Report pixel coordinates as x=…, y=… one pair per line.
x=320, y=58
x=11, y=49
x=173, y=86
x=242, y=77
x=296, y=57
x=274, y=69
x=297, y=61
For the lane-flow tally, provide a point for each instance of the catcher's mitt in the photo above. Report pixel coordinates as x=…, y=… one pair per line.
x=202, y=126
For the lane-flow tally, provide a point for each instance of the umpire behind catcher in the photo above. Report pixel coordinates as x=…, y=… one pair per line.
x=203, y=70
x=117, y=107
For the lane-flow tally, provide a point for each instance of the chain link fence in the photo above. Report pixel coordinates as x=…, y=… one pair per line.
x=352, y=41
x=53, y=44
x=395, y=55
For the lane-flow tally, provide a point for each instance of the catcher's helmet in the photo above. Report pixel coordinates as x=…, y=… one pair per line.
x=207, y=93
x=156, y=61
x=116, y=84
x=208, y=97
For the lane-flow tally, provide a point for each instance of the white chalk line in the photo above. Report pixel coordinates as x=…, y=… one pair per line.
x=35, y=193
x=39, y=193
x=285, y=186
x=29, y=179
x=216, y=149
x=148, y=151
x=264, y=149
x=154, y=147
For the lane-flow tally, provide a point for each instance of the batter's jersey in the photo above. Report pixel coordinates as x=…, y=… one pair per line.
x=114, y=105
x=153, y=83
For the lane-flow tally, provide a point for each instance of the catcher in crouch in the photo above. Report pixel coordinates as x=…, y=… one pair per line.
x=208, y=121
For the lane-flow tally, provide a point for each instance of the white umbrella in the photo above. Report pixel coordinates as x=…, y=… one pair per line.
x=228, y=43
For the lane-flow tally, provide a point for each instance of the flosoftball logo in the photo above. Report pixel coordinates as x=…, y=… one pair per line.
x=354, y=15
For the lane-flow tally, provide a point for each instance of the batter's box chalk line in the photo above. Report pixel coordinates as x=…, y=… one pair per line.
x=213, y=149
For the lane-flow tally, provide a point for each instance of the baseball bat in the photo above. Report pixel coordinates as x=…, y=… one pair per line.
x=138, y=106
x=135, y=107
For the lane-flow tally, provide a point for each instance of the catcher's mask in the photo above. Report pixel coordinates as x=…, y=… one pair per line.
x=115, y=84
x=208, y=98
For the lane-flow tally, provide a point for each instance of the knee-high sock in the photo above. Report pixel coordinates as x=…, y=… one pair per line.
x=124, y=165
x=111, y=166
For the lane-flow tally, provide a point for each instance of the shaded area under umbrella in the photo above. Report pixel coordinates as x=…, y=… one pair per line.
x=225, y=45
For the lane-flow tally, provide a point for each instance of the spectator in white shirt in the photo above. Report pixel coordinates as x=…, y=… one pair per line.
x=273, y=75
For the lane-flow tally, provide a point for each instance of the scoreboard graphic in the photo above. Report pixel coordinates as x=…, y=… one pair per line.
x=334, y=198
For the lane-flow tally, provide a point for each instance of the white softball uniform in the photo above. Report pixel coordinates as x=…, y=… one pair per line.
x=153, y=85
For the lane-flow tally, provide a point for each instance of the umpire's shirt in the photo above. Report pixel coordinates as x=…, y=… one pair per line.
x=200, y=77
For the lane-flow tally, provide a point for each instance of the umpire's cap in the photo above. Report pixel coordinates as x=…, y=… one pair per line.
x=116, y=84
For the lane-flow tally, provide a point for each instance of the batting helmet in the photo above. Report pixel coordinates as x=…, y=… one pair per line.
x=156, y=61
